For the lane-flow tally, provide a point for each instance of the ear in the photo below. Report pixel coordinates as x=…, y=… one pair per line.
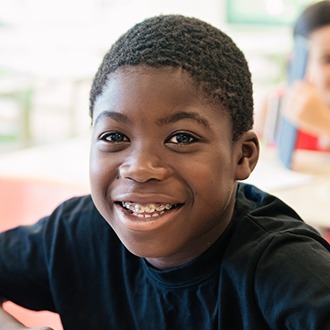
x=247, y=154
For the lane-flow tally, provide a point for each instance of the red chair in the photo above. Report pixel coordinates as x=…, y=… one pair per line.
x=24, y=201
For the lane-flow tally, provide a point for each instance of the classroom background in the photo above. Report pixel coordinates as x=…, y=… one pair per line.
x=50, y=50
x=49, y=53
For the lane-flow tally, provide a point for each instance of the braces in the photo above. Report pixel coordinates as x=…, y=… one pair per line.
x=150, y=208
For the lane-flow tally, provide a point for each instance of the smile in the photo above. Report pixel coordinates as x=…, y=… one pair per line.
x=151, y=210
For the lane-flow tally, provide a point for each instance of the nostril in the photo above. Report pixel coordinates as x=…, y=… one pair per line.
x=142, y=179
x=143, y=171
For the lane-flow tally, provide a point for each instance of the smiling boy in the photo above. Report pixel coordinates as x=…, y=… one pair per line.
x=168, y=238
x=164, y=164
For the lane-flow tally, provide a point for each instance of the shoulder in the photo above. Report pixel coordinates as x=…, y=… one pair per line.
x=276, y=257
x=264, y=209
x=264, y=223
x=76, y=216
x=75, y=208
x=269, y=237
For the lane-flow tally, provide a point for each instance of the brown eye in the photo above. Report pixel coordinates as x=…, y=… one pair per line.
x=114, y=137
x=325, y=59
x=182, y=138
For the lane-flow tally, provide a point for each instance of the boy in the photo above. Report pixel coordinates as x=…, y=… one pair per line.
x=169, y=238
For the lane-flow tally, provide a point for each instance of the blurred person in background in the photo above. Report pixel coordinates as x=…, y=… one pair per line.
x=306, y=103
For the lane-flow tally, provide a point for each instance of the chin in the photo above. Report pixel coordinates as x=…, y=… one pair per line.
x=145, y=249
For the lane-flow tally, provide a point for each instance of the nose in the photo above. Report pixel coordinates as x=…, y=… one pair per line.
x=143, y=165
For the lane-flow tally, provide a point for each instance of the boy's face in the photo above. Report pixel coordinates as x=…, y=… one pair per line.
x=318, y=69
x=163, y=166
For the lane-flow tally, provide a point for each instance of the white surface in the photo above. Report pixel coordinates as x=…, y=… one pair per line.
x=65, y=162
x=270, y=176
x=306, y=188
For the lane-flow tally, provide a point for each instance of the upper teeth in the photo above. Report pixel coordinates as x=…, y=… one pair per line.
x=149, y=208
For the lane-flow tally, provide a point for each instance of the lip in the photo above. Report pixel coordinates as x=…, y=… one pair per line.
x=135, y=223
x=146, y=198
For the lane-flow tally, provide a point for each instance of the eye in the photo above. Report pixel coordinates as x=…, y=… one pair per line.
x=325, y=59
x=114, y=137
x=182, y=138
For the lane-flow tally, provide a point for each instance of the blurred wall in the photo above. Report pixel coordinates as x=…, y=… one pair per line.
x=50, y=50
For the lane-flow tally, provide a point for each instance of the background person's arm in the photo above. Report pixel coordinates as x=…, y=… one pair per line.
x=7, y=322
x=305, y=107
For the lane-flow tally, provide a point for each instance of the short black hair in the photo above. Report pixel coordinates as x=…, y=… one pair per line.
x=312, y=18
x=210, y=57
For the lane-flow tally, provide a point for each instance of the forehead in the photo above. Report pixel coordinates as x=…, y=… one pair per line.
x=161, y=77
x=148, y=84
x=163, y=95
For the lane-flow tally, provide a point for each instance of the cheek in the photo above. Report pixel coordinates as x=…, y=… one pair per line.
x=95, y=171
x=213, y=181
x=327, y=75
x=313, y=73
x=101, y=173
x=319, y=74
x=323, y=81
x=102, y=176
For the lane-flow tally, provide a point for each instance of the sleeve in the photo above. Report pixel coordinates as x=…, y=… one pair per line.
x=23, y=267
x=293, y=282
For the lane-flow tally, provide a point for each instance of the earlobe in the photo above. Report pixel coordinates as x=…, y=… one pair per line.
x=248, y=154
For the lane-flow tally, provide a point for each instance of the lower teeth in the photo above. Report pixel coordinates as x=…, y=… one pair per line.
x=154, y=215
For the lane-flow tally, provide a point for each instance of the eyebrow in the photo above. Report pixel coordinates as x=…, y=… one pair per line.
x=183, y=115
x=117, y=116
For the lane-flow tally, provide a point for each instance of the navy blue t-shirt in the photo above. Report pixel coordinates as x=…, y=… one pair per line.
x=268, y=270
